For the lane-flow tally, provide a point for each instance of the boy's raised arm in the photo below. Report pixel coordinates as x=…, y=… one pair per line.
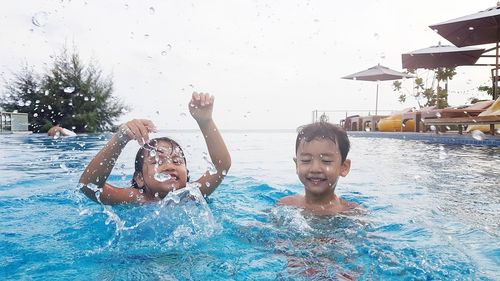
x=201, y=107
x=94, y=176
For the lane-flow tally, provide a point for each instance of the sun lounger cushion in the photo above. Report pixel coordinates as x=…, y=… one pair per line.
x=494, y=109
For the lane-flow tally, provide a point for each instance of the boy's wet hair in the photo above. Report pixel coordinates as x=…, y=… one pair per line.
x=324, y=130
x=139, y=157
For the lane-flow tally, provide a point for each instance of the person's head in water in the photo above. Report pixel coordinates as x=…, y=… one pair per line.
x=160, y=167
x=321, y=156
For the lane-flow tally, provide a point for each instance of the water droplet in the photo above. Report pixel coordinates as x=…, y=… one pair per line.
x=157, y=112
x=49, y=107
x=438, y=115
x=478, y=135
x=35, y=114
x=152, y=153
x=161, y=177
x=86, y=98
x=448, y=128
x=207, y=184
x=164, y=53
x=37, y=101
x=69, y=90
x=210, y=166
x=367, y=129
x=471, y=28
x=433, y=128
x=40, y=19
x=151, y=10
x=124, y=110
x=183, y=114
x=63, y=166
x=47, y=92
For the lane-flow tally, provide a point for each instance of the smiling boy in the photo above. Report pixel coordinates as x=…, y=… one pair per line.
x=321, y=158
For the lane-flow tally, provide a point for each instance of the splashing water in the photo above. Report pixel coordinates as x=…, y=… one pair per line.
x=161, y=177
x=210, y=166
x=40, y=19
x=69, y=90
x=478, y=135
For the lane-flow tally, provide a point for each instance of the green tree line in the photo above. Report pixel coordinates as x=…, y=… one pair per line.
x=70, y=93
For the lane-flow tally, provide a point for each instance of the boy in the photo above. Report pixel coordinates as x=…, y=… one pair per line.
x=321, y=158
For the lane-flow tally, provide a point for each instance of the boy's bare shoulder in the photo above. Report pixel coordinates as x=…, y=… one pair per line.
x=292, y=200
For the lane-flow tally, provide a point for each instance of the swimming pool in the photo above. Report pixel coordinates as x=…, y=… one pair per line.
x=431, y=213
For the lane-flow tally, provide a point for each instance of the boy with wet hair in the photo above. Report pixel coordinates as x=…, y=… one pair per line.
x=321, y=158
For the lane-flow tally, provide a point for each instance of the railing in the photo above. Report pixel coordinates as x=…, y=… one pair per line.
x=335, y=116
x=11, y=122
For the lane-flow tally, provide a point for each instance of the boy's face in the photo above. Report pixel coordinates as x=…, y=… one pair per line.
x=164, y=169
x=319, y=165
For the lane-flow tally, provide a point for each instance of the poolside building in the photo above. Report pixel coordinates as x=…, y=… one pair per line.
x=13, y=122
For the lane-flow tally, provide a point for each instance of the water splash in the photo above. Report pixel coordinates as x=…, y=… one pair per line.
x=69, y=90
x=478, y=135
x=40, y=19
x=161, y=177
x=212, y=170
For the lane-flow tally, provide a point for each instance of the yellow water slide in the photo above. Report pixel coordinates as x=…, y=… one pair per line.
x=393, y=123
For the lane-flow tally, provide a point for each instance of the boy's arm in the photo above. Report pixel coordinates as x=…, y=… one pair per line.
x=200, y=107
x=94, y=176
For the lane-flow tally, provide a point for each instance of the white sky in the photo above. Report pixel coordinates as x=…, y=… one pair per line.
x=269, y=63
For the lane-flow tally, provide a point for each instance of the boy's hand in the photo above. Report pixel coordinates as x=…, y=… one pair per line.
x=201, y=106
x=137, y=129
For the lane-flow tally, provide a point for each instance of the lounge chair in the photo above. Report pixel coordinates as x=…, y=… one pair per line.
x=493, y=110
x=455, y=112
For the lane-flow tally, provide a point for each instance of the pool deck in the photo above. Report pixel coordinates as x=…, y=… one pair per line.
x=432, y=137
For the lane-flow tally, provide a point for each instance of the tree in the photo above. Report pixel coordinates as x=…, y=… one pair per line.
x=434, y=94
x=71, y=94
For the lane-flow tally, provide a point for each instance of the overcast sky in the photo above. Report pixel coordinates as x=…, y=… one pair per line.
x=268, y=63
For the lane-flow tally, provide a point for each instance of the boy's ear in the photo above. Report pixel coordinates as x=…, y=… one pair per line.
x=139, y=179
x=295, y=161
x=345, y=167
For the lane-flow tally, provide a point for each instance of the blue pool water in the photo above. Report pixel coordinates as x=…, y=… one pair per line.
x=432, y=213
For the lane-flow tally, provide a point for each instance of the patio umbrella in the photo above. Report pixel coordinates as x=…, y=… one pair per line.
x=377, y=73
x=475, y=29
x=441, y=56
